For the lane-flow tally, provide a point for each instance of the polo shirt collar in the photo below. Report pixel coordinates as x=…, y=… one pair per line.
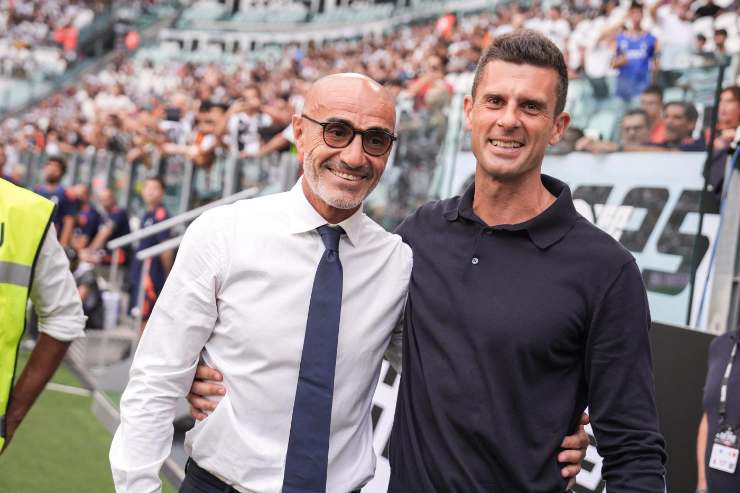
x=303, y=217
x=544, y=230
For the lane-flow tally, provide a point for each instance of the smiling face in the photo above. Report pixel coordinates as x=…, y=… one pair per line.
x=512, y=119
x=336, y=181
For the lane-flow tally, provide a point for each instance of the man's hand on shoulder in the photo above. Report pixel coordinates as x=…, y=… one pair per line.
x=205, y=384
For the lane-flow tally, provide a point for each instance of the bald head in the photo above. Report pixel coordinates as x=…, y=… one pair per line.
x=350, y=88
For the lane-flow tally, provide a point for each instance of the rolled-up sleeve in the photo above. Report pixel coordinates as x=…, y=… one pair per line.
x=621, y=389
x=164, y=365
x=54, y=293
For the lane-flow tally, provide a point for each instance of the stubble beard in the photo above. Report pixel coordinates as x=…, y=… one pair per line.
x=314, y=183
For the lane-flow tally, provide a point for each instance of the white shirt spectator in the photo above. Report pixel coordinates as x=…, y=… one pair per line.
x=598, y=52
x=244, y=130
x=238, y=296
x=558, y=30
x=676, y=38
x=54, y=293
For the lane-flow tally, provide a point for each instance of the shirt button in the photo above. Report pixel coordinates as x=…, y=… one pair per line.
x=475, y=261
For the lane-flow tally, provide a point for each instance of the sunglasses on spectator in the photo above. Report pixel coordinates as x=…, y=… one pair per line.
x=338, y=135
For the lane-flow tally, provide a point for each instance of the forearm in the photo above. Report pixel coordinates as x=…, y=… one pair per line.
x=42, y=364
x=101, y=237
x=701, y=449
x=68, y=226
x=143, y=439
x=277, y=143
x=167, y=258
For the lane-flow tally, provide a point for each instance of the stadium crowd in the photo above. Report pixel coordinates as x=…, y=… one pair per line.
x=183, y=108
x=145, y=110
x=42, y=35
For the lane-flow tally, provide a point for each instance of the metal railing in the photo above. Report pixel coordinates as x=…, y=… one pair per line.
x=119, y=243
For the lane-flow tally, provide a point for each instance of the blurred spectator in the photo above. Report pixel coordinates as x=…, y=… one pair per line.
x=676, y=39
x=88, y=289
x=707, y=9
x=555, y=27
x=727, y=135
x=651, y=102
x=66, y=35
x=596, y=50
x=113, y=224
x=430, y=85
x=159, y=266
x=634, y=56
x=568, y=143
x=88, y=218
x=728, y=117
x=720, y=44
x=680, y=121
x=64, y=212
x=246, y=121
x=3, y=162
x=634, y=135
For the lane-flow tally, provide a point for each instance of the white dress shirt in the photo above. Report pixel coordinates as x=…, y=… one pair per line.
x=238, y=295
x=54, y=293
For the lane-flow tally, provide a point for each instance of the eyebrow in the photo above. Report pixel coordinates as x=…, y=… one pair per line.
x=347, y=122
x=537, y=102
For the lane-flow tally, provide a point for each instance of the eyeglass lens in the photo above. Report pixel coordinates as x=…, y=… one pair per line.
x=375, y=142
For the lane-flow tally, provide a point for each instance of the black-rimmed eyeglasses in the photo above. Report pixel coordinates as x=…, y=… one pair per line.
x=337, y=135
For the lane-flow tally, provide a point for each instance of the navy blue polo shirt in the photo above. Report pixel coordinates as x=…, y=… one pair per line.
x=509, y=333
x=65, y=204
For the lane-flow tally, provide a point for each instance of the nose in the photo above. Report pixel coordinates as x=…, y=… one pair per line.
x=509, y=117
x=354, y=155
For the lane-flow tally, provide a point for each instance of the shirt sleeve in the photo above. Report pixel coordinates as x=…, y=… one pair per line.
x=619, y=371
x=67, y=206
x=165, y=361
x=394, y=351
x=54, y=293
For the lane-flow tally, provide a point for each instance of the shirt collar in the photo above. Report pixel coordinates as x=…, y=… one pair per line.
x=545, y=229
x=303, y=217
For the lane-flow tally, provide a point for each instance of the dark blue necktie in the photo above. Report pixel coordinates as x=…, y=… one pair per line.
x=308, y=446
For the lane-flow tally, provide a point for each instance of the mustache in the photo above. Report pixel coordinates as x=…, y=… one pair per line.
x=342, y=166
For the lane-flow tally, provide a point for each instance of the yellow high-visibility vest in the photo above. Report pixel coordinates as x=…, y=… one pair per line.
x=24, y=220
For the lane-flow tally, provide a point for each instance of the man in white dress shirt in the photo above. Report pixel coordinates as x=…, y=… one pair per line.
x=238, y=296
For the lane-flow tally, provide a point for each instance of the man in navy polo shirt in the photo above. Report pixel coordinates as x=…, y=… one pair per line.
x=65, y=211
x=520, y=312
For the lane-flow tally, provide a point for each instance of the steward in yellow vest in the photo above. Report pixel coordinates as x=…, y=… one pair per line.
x=24, y=220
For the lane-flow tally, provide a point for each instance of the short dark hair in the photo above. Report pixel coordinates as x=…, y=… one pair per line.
x=527, y=47
x=654, y=90
x=734, y=90
x=722, y=32
x=635, y=5
x=689, y=110
x=60, y=161
x=640, y=112
x=156, y=178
